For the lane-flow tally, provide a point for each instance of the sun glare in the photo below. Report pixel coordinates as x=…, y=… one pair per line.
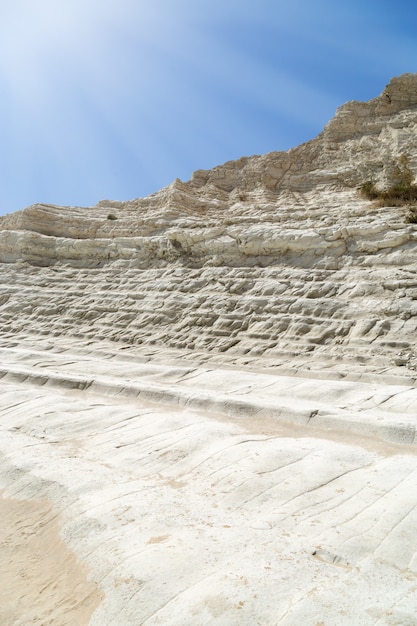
x=117, y=98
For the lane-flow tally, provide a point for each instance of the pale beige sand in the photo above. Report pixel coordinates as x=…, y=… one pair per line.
x=41, y=581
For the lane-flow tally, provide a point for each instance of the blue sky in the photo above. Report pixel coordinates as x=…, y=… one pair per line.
x=114, y=99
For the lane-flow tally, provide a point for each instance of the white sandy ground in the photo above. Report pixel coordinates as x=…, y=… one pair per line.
x=192, y=495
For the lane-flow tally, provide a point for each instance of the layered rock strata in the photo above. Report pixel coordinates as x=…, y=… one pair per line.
x=215, y=385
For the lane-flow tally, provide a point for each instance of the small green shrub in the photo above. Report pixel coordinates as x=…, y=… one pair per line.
x=111, y=216
x=402, y=190
x=369, y=190
x=398, y=196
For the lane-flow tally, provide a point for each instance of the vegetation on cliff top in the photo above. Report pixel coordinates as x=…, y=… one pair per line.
x=402, y=191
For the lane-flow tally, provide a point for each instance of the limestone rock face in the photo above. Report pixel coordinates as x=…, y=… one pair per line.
x=215, y=386
x=276, y=256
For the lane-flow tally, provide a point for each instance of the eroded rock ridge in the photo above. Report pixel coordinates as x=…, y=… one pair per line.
x=275, y=257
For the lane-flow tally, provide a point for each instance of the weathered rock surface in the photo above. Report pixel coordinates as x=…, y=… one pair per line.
x=215, y=385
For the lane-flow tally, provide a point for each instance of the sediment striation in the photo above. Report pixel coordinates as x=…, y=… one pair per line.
x=215, y=386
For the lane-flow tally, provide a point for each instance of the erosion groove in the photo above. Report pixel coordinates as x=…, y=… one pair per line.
x=214, y=391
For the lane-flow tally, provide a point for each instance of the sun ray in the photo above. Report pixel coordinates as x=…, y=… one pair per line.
x=101, y=98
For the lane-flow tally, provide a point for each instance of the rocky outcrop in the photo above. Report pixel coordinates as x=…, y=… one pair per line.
x=363, y=141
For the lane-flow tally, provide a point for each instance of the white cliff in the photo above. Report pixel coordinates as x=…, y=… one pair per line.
x=215, y=389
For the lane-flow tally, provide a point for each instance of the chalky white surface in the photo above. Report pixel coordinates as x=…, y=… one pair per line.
x=216, y=391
